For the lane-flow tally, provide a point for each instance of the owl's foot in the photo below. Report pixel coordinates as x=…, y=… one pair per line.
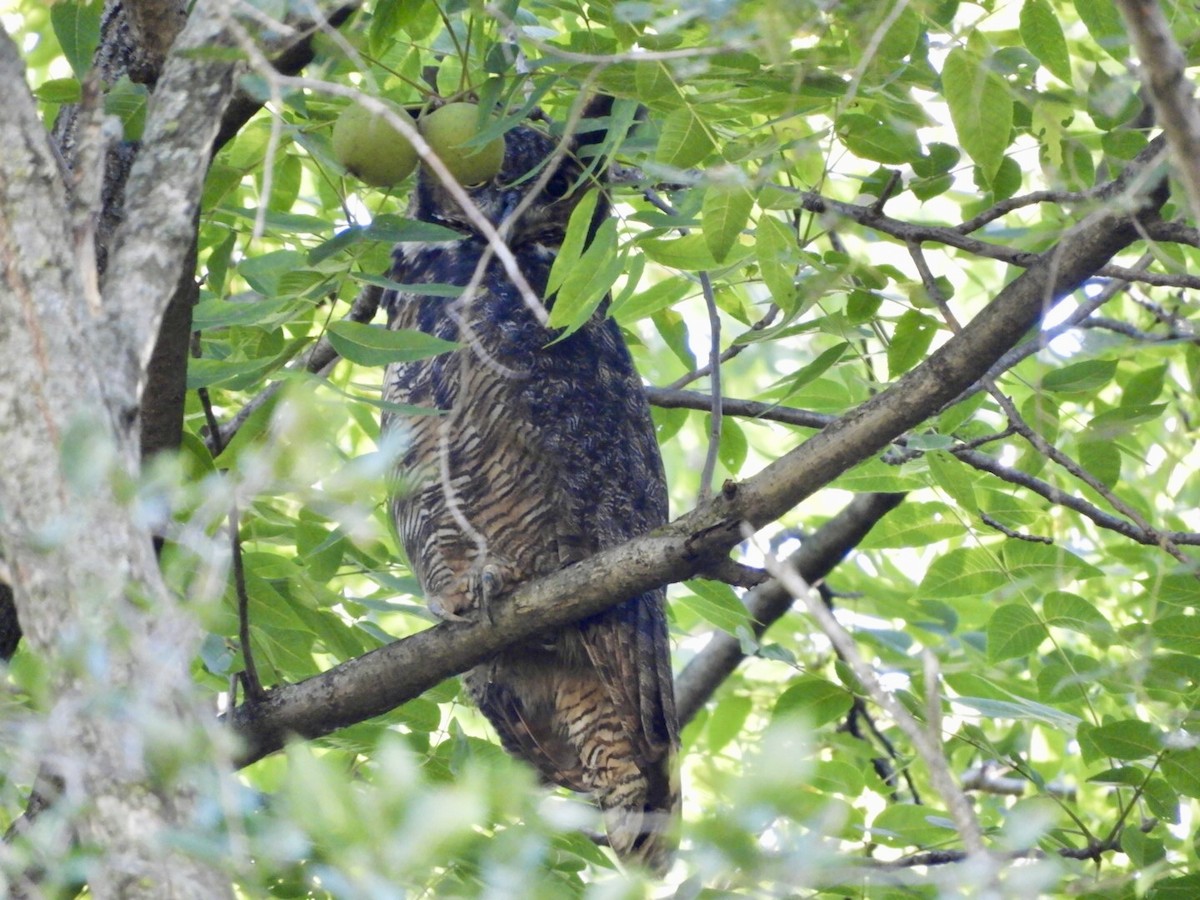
x=471, y=597
x=487, y=586
x=448, y=612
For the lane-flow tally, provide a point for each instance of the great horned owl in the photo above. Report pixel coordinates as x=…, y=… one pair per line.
x=544, y=454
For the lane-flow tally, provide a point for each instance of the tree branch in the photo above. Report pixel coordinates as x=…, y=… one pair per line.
x=162, y=195
x=816, y=558
x=387, y=677
x=1163, y=66
x=84, y=574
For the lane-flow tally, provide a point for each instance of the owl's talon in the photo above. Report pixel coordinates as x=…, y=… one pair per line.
x=444, y=613
x=491, y=583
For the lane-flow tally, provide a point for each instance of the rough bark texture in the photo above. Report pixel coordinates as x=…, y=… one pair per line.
x=84, y=575
x=387, y=677
x=161, y=198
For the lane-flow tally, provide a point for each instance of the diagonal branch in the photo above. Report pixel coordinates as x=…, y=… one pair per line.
x=391, y=675
x=1163, y=66
x=767, y=603
x=161, y=197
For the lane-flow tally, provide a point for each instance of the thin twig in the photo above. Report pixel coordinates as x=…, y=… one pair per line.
x=950, y=236
x=672, y=399
x=714, y=381
x=250, y=679
x=927, y=745
x=1029, y=434
x=249, y=675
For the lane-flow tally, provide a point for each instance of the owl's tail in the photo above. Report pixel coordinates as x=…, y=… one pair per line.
x=641, y=814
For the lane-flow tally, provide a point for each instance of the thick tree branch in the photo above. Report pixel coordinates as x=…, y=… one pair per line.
x=815, y=559
x=84, y=574
x=162, y=195
x=1163, y=66
x=387, y=677
x=155, y=25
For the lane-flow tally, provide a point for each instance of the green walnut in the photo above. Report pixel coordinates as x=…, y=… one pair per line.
x=447, y=129
x=371, y=149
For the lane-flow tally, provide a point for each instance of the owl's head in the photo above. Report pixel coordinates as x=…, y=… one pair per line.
x=526, y=151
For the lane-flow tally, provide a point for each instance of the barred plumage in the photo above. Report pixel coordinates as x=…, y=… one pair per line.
x=544, y=454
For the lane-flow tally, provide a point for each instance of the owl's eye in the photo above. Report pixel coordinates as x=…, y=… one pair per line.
x=558, y=186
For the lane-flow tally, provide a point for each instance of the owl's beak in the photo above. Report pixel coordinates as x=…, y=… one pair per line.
x=508, y=204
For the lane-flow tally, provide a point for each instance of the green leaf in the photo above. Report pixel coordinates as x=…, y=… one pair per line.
x=981, y=109
x=774, y=244
x=910, y=825
x=726, y=211
x=1181, y=768
x=953, y=478
x=77, y=27
x=1043, y=35
x=658, y=296
x=1070, y=611
x=588, y=282
x=573, y=241
x=398, y=229
x=1131, y=776
x=1080, y=378
x=1180, y=633
x=1175, y=590
x=1045, y=565
x=1128, y=739
x=727, y=720
x=910, y=342
x=59, y=90
x=367, y=345
x=684, y=141
x=882, y=142
x=689, y=253
x=388, y=17
x=1122, y=420
x=1102, y=460
x=1174, y=887
x=1143, y=387
x=251, y=310
x=422, y=290
x=264, y=271
x=965, y=572
x=819, y=701
x=807, y=374
x=128, y=102
x=1106, y=26
x=232, y=374
x=717, y=604
x=1019, y=709
x=1014, y=630
x=913, y=524
x=1162, y=799
x=733, y=447
x=655, y=84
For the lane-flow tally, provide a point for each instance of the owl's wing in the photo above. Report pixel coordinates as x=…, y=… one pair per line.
x=523, y=737
x=598, y=439
x=629, y=648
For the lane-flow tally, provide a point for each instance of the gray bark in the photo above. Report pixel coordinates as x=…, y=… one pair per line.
x=84, y=574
